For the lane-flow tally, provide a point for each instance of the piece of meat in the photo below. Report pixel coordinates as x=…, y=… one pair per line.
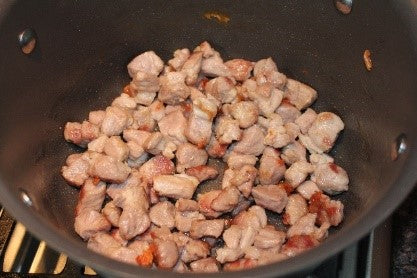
x=240, y=264
x=124, y=101
x=205, y=265
x=144, y=86
x=195, y=250
x=188, y=156
x=227, y=200
x=201, y=228
x=199, y=126
x=245, y=112
x=112, y=213
x=298, y=244
x=240, y=69
x=298, y=172
x=269, y=237
x=295, y=209
x=132, y=198
x=91, y=196
x=115, y=120
x=183, y=219
x=227, y=130
x=173, y=89
x=103, y=243
x=186, y=205
x=327, y=210
x=75, y=172
x=252, y=141
x=96, y=117
x=271, y=197
x=81, y=134
x=306, y=120
x=213, y=66
x=279, y=135
x=243, y=204
x=266, y=71
x=147, y=62
x=236, y=160
x=192, y=67
x=226, y=254
x=163, y=214
x=266, y=97
x=294, y=152
x=97, y=145
x=116, y=148
x=89, y=223
x=254, y=217
x=108, y=169
x=166, y=253
x=157, y=143
x=180, y=56
x=316, y=158
x=215, y=149
x=204, y=203
x=175, y=186
x=272, y=167
x=135, y=150
x=181, y=267
x=300, y=95
x=202, y=172
x=306, y=226
x=288, y=112
x=138, y=136
x=143, y=119
x=248, y=237
x=157, y=110
x=243, y=179
x=221, y=88
x=157, y=165
x=324, y=130
x=330, y=178
x=307, y=189
x=231, y=236
x=173, y=125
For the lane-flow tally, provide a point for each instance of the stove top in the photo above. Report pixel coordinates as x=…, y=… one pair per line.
x=22, y=255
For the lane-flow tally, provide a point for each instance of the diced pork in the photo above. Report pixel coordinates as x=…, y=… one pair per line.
x=222, y=89
x=175, y=186
x=324, y=130
x=271, y=197
x=205, y=265
x=327, y=210
x=307, y=189
x=243, y=179
x=192, y=67
x=252, y=141
x=266, y=71
x=240, y=69
x=266, y=97
x=288, y=112
x=294, y=152
x=96, y=117
x=109, y=169
x=163, y=214
x=214, y=66
x=227, y=130
x=298, y=172
x=116, y=148
x=144, y=87
x=158, y=165
x=271, y=168
x=201, y=228
x=147, y=62
x=269, y=237
x=173, y=125
x=112, y=213
x=75, y=172
x=295, y=209
x=166, y=253
x=237, y=160
x=115, y=120
x=245, y=112
x=204, y=203
x=89, y=223
x=180, y=56
x=188, y=155
x=306, y=120
x=215, y=149
x=81, y=134
x=298, y=244
x=202, y=172
x=173, y=88
x=330, y=178
x=195, y=250
x=226, y=200
x=300, y=95
x=124, y=101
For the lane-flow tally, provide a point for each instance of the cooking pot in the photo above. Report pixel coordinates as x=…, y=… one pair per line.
x=79, y=64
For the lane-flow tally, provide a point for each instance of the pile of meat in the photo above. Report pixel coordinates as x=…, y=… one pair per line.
x=147, y=153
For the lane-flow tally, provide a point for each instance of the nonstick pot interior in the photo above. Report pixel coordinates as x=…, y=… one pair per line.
x=79, y=64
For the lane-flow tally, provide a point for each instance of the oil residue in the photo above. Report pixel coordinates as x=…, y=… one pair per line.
x=219, y=16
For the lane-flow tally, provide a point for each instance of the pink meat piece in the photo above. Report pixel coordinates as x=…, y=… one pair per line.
x=271, y=197
x=306, y=120
x=288, y=112
x=108, y=169
x=240, y=69
x=192, y=67
x=146, y=62
x=221, y=88
x=330, y=178
x=266, y=71
x=245, y=112
x=173, y=125
x=145, y=85
x=180, y=56
x=75, y=172
x=166, y=253
x=324, y=131
x=202, y=172
x=116, y=120
x=173, y=88
x=300, y=95
x=272, y=167
x=295, y=209
x=175, y=186
x=252, y=141
x=96, y=117
x=158, y=165
x=205, y=265
x=298, y=172
x=163, y=214
x=204, y=203
x=81, y=134
x=112, y=213
x=189, y=155
x=227, y=130
x=294, y=152
x=201, y=228
x=213, y=66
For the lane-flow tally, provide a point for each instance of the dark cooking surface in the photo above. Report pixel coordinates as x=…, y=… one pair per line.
x=404, y=251
x=80, y=66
